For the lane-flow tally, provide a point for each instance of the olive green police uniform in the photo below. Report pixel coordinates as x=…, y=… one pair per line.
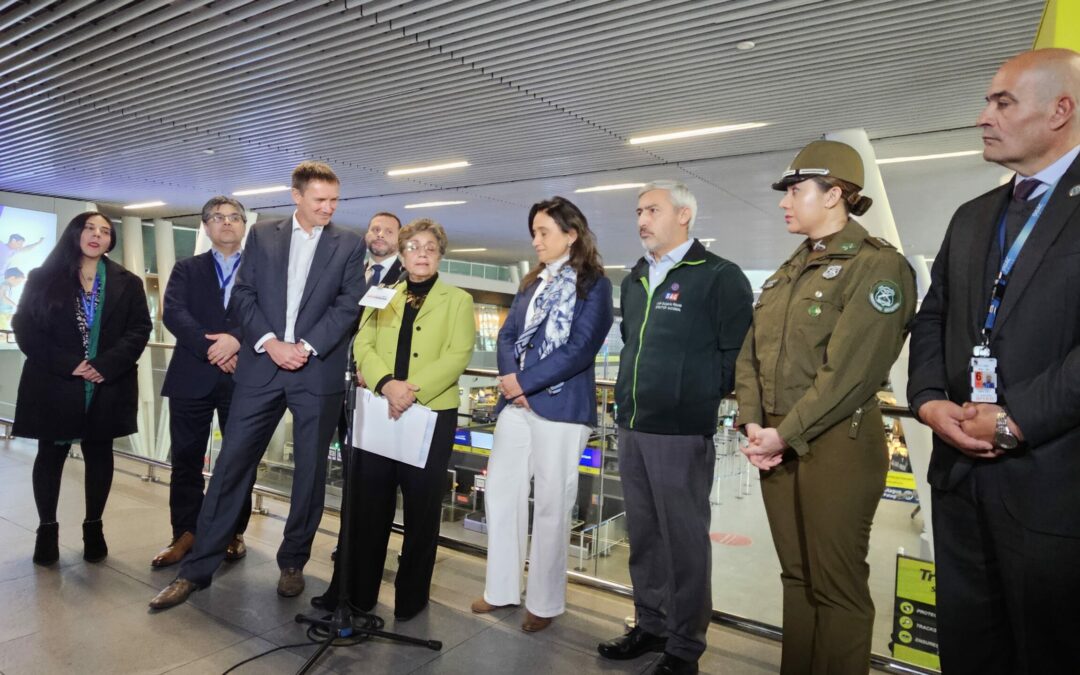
x=827, y=328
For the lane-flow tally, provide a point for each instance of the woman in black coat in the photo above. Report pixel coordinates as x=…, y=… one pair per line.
x=82, y=322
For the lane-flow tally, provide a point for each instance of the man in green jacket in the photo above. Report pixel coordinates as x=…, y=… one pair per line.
x=685, y=312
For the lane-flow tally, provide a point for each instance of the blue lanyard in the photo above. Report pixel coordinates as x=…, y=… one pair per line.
x=1009, y=261
x=223, y=281
x=89, y=302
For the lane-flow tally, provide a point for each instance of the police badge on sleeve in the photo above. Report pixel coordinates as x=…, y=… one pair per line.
x=885, y=297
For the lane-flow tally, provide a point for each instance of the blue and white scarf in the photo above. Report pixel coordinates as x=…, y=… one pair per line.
x=556, y=304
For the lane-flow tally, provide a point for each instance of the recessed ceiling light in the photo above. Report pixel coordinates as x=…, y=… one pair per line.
x=690, y=133
x=144, y=205
x=614, y=186
x=425, y=169
x=261, y=191
x=745, y=45
x=423, y=205
x=919, y=158
x=467, y=250
x=614, y=267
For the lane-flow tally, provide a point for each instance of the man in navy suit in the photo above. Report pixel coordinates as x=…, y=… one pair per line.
x=296, y=300
x=1004, y=474
x=199, y=380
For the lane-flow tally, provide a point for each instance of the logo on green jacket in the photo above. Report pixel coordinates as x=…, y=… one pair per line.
x=885, y=297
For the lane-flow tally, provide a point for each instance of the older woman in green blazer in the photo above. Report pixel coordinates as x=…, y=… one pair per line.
x=412, y=351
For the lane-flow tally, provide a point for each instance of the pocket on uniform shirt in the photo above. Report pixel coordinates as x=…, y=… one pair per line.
x=814, y=318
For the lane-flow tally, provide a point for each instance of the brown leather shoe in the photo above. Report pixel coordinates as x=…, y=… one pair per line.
x=174, y=594
x=291, y=582
x=175, y=551
x=535, y=624
x=482, y=606
x=236, y=549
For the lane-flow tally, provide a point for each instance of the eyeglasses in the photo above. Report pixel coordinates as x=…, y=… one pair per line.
x=413, y=247
x=219, y=218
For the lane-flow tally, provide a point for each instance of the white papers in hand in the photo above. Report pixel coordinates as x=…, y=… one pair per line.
x=406, y=439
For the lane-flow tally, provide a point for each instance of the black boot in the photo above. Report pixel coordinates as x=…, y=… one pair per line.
x=47, y=546
x=94, y=547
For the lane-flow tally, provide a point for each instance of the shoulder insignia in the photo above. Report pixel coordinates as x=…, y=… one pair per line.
x=886, y=297
x=769, y=284
x=848, y=246
x=880, y=242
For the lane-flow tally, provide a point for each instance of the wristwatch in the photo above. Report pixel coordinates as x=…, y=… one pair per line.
x=1003, y=438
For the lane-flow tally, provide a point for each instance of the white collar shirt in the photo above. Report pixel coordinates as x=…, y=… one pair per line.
x=658, y=269
x=546, y=275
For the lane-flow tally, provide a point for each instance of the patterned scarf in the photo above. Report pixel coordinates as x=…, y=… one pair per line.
x=556, y=304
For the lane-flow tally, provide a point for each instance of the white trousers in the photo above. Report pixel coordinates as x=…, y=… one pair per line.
x=529, y=446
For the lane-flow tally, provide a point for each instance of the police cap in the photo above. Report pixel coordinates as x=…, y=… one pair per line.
x=823, y=158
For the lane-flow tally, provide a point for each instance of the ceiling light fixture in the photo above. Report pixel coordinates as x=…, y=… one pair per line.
x=745, y=45
x=614, y=267
x=707, y=240
x=425, y=169
x=261, y=191
x=144, y=205
x=691, y=133
x=467, y=250
x=614, y=186
x=423, y=205
x=920, y=158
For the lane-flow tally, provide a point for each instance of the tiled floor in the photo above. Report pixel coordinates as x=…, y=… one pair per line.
x=82, y=618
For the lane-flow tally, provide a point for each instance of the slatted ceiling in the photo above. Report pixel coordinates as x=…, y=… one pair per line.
x=116, y=101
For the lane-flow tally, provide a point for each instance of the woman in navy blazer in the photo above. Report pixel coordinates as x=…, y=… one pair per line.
x=547, y=408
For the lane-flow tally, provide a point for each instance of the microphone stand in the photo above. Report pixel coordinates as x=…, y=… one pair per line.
x=347, y=622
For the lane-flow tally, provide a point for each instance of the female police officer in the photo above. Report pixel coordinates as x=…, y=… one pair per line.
x=829, y=324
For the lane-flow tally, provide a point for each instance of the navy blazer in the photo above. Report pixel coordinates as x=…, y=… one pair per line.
x=194, y=307
x=329, y=306
x=573, y=363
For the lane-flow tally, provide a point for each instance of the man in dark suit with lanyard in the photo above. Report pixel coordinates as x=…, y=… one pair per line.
x=199, y=379
x=297, y=300
x=995, y=372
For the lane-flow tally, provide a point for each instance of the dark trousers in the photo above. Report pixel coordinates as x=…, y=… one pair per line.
x=1007, y=596
x=254, y=414
x=374, y=502
x=820, y=507
x=190, y=420
x=666, y=481
x=49, y=467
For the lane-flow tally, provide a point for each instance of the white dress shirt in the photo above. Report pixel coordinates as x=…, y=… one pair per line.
x=546, y=275
x=1052, y=173
x=386, y=265
x=658, y=269
x=301, y=253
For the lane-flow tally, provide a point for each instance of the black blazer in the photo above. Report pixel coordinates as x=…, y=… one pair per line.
x=51, y=403
x=194, y=307
x=1036, y=341
x=329, y=306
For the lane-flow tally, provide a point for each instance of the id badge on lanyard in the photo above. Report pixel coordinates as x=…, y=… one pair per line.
x=984, y=375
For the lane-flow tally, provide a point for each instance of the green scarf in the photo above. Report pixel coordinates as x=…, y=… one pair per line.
x=95, y=330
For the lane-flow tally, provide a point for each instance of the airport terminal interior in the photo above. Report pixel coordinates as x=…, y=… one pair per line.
x=466, y=112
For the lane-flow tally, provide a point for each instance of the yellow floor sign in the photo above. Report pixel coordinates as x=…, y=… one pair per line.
x=914, y=636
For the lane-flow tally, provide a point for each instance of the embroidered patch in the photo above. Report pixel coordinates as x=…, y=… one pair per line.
x=885, y=297
x=832, y=271
x=847, y=246
x=1074, y=190
x=814, y=310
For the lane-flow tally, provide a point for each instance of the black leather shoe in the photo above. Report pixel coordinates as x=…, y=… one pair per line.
x=673, y=665
x=632, y=645
x=47, y=544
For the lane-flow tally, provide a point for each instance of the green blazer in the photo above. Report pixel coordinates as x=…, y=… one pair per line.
x=444, y=334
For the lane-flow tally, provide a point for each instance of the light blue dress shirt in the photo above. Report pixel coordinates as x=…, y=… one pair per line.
x=658, y=269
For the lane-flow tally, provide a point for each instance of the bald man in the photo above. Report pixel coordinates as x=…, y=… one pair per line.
x=995, y=372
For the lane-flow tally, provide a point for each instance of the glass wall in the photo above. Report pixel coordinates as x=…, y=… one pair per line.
x=745, y=579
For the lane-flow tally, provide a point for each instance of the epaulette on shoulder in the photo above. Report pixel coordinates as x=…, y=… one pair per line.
x=879, y=242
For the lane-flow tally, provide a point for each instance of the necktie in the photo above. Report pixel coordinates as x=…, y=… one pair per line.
x=1022, y=191
x=376, y=274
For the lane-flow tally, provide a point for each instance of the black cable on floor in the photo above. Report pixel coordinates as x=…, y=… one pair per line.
x=318, y=635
